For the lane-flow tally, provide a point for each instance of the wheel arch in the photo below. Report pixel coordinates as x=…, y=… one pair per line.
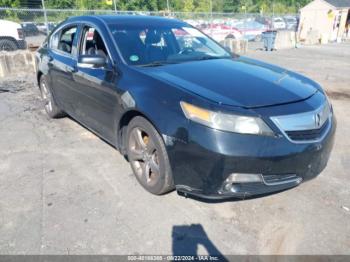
x=10, y=38
x=38, y=76
x=123, y=123
x=230, y=36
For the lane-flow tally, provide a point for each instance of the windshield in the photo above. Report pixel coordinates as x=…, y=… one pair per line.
x=158, y=45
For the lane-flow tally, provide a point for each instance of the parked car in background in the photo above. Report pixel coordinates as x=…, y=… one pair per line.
x=52, y=26
x=267, y=21
x=220, y=32
x=291, y=22
x=186, y=114
x=43, y=28
x=11, y=36
x=30, y=29
x=251, y=30
x=278, y=23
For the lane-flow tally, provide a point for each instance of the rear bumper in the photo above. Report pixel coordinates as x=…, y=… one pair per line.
x=201, y=166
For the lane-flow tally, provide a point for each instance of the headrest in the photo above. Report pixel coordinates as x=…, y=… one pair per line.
x=97, y=38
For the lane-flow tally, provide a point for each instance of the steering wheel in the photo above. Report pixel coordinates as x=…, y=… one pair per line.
x=186, y=51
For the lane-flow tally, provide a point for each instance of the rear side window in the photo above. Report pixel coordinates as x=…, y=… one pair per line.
x=66, y=41
x=54, y=40
x=63, y=40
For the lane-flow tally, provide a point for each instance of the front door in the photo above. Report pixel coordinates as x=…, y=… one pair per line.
x=96, y=86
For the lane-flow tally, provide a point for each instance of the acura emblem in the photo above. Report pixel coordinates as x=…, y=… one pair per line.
x=318, y=119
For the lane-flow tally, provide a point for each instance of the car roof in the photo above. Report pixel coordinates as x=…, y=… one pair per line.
x=136, y=20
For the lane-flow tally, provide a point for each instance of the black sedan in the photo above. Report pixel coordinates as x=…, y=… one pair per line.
x=30, y=29
x=185, y=112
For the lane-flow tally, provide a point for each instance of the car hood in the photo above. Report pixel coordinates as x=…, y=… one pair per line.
x=238, y=81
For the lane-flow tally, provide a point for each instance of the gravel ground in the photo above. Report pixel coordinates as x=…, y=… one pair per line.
x=65, y=191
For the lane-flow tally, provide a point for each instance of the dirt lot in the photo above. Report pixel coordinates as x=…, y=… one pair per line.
x=65, y=191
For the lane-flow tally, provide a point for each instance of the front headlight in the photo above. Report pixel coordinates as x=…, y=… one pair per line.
x=226, y=122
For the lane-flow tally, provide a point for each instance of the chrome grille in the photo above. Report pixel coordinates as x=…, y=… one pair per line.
x=305, y=127
x=304, y=135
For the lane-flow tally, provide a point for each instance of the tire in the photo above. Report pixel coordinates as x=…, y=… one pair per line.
x=8, y=45
x=148, y=157
x=51, y=107
x=230, y=37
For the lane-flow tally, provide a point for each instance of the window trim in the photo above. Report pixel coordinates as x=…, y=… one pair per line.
x=81, y=35
x=59, y=31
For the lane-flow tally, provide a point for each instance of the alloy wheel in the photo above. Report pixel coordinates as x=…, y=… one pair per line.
x=143, y=156
x=46, y=96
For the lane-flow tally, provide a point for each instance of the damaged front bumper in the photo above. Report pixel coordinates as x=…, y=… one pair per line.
x=204, y=165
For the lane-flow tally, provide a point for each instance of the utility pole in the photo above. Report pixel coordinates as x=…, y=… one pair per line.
x=211, y=17
x=168, y=6
x=115, y=5
x=45, y=17
x=211, y=8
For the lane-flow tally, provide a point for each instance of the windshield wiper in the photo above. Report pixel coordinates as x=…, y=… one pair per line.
x=162, y=63
x=209, y=57
x=158, y=63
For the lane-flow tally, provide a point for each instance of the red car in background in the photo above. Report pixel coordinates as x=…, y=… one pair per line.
x=221, y=31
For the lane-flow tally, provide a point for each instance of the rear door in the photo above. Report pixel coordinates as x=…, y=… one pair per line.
x=62, y=65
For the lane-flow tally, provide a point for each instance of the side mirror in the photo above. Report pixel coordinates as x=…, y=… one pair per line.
x=93, y=60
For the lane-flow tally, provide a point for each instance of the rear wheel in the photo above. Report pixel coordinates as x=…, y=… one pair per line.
x=8, y=45
x=148, y=157
x=51, y=107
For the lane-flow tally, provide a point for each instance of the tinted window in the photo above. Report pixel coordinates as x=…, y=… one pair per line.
x=66, y=39
x=54, y=40
x=143, y=45
x=92, y=43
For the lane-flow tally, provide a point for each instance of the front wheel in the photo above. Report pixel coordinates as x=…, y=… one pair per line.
x=148, y=157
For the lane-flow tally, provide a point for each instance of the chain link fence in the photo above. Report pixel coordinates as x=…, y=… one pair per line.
x=37, y=23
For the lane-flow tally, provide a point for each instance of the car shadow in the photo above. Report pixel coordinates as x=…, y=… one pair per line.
x=187, y=238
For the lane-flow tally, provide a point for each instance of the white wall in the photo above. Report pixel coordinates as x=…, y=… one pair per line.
x=315, y=16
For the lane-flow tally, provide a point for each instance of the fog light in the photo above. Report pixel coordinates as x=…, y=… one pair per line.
x=243, y=178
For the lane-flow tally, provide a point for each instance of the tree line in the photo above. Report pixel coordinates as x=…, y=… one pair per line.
x=236, y=6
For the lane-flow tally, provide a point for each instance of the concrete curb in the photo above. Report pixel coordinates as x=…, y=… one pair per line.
x=13, y=63
x=285, y=39
x=235, y=45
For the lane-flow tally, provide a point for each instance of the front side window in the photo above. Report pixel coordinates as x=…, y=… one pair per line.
x=66, y=39
x=147, y=45
x=92, y=43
